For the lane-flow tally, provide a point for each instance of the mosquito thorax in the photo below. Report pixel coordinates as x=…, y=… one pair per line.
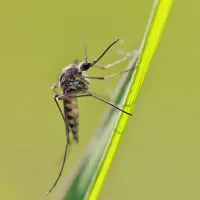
x=67, y=73
x=71, y=75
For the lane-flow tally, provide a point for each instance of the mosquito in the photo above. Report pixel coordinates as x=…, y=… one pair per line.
x=74, y=84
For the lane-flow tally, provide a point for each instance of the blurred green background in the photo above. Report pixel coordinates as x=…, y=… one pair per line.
x=158, y=157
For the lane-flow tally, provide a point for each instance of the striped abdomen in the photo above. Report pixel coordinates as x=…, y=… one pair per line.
x=71, y=115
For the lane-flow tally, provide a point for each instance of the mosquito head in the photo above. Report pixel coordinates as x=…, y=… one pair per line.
x=84, y=66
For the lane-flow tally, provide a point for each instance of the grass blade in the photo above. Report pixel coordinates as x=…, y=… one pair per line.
x=153, y=33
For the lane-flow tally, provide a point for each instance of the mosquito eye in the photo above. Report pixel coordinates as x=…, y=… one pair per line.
x=86, y=66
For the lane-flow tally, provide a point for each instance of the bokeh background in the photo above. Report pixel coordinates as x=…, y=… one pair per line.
x=158, y=157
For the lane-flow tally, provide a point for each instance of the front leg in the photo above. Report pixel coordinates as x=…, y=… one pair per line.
x=116, y=62
x=54, y=87
x=110, y=76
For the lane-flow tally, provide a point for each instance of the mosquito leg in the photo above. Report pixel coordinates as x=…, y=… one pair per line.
x=63, y=163
x=116, y=62
x=66, y=148
x=65, y=96
x=56, y=101
x=110, y=76
x=103, y=100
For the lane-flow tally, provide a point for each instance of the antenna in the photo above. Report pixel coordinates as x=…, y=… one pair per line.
x=87, y=65
x=96, y=60
x=85, y=48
